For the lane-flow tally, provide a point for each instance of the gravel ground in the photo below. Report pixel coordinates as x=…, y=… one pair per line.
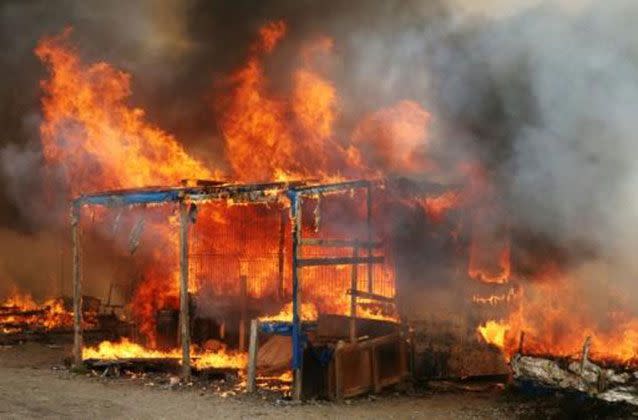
x=34, y=384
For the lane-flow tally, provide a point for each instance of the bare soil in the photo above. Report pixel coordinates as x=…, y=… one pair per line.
x=35, y=384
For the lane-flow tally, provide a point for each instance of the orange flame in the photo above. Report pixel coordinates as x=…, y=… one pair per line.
x=126, y=349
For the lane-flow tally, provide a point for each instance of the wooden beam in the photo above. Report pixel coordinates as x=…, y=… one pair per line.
x=311, y=262
x=296, y=216
x=340, y=243
x=338, y=357
x=253, y=348
x=77, y=284
x=184, y=318
x=365, y=295
x=244, y=312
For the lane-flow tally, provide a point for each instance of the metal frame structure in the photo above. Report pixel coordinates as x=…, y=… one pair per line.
x=205, y=191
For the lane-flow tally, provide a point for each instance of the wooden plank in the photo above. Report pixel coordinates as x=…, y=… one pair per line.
x=297, y=372
x=184, y=318
x=77, y=285
x=340, y=243
x=353, y=297
x=243, y=313
x=367, y=295
x=338, y=371
x=311, y=262
x=253, y=348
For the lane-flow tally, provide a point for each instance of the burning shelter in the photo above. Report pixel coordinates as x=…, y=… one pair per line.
x=319, y=255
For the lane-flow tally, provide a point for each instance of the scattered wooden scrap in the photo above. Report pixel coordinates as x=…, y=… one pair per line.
x=611, y=384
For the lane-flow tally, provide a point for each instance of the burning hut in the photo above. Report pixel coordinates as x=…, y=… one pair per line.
x=306, y=260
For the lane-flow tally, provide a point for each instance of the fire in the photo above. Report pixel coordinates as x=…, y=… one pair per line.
x=497, y=298
x=93, y=139
x=20, y=312
x=126, y=349
x=96, y=140
x=481, y=265
x=493, y=332
x=308, y=312
x=93, y=136
x=393, y=139
x=256, y=123
x=549, y=312
x=436, y=207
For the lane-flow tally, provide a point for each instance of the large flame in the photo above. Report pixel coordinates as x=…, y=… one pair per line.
x=549, y=311
x=93, y=139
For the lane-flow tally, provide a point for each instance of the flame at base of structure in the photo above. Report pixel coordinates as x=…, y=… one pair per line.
x=201, y=359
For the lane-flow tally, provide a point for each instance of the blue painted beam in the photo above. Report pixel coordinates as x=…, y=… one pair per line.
x=130, y=198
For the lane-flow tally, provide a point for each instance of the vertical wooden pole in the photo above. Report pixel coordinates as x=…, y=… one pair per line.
x=282, y=250
x=77, y=284
x=297, y=354
x=184, y=318
x=253, y=348
x=244, y=313
x=353, y=296
x=338, y=358
x=369, y=226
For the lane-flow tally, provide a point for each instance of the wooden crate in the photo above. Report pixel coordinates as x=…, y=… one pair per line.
x=368, y=366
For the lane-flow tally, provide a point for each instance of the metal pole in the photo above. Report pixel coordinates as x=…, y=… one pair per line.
x=77, y=284
x=184, y=319
x=297, y=350
x=369, y=225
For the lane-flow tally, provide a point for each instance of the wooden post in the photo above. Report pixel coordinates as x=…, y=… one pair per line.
x=521, y=342
x=297, y=359
x=77, y=284
x=353, y=296
x=338, y=358
x=253, y=348
x=244, y=313
x=184, y=318
x=585, y=354
x=282, y=250
x=369, y=226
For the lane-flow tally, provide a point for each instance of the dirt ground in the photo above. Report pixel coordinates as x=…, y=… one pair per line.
x=35, y=384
